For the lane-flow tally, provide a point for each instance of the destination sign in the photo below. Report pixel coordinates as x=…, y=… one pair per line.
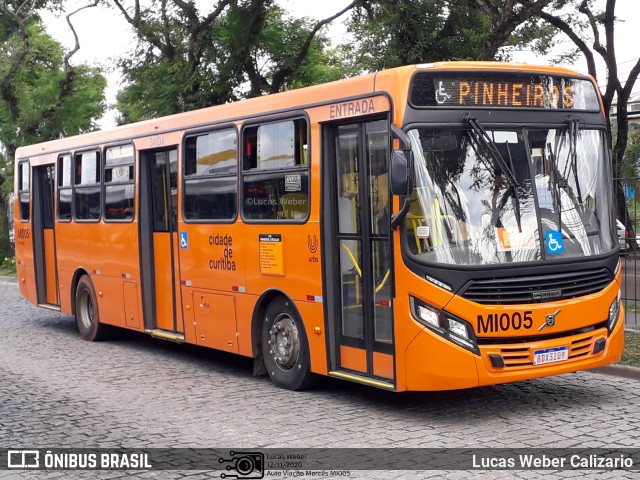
x=499, y=90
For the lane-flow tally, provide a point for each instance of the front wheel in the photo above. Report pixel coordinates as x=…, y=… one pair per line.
x=87, y=315
x=284, y=346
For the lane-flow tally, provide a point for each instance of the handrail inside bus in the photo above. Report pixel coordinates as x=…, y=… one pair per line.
x=357, y=267
x=352, y=257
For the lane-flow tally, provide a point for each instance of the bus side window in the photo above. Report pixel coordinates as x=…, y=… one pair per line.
x=211, y=176
x=23, y=190
x=119, y=180
x=250, y=149
x=276, y=182
x=86, y=188
x=64, y=188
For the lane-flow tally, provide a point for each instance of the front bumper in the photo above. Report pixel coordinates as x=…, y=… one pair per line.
x=433, y=363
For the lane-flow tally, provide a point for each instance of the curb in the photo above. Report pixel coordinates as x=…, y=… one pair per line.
x=623, y=371
x=12, y=279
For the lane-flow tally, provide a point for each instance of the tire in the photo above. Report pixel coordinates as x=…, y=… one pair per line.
x=284, y=346
x=87, y=313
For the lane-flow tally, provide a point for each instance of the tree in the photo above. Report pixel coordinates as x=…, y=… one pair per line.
x=400, y=32
x=580, y=17
x=187, y=59
x=392, y=33
x=42, y=95
x=512, y=22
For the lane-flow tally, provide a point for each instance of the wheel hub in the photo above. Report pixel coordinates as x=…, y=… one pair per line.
x=285, y=342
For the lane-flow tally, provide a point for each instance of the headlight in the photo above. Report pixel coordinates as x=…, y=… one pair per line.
x=428, y=317
x=458, y=328
x=444, y=324
x=614, y=312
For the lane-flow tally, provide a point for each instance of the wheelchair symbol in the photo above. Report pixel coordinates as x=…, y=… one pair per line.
x=184, y=240
x=555, y=243
x=441, y=95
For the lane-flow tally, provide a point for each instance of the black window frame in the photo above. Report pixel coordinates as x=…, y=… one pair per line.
x=257, y=172
x=186, y=178
x=81, y=187
x=104, y=184
x=59, y=187
x=22, y=191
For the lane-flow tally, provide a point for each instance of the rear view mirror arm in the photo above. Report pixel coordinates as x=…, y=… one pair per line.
x=405, y=146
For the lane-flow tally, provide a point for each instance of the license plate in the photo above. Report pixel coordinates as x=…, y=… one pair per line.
x=550, y=355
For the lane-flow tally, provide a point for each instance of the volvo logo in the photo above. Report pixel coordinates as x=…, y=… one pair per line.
x=550, y=320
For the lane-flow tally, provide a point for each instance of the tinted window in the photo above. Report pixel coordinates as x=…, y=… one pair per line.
x=211, y=176
x=64, y=188
x=276, y=178
x=86, y=191
x=119, y=180
x=64, y=204
x=23, y=190
x=210, y=198
x=87, y=203
x=211, y=153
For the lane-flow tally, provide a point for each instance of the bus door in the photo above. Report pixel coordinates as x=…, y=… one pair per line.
x=159, y=242
x=44, y=243
x=359, y=285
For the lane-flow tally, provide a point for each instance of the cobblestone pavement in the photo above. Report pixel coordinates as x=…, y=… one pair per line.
x=58, y=391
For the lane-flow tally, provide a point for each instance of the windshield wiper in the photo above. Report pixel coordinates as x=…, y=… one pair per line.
x=574, y=127
x=555, y=182
x=483, y=139
x=558, y=179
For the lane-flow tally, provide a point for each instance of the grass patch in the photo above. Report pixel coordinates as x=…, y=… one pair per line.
x=631, y=354
x=631, y=306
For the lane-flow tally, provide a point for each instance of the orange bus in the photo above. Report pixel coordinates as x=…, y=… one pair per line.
x=428, y=227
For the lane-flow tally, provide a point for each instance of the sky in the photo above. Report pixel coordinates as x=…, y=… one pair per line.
x=104, y=36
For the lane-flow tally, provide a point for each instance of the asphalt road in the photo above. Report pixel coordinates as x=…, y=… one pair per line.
x=58, y=391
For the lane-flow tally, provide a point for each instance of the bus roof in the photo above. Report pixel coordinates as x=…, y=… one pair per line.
x=269, y=104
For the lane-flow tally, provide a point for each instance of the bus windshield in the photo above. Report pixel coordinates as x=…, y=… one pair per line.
x=504, y=196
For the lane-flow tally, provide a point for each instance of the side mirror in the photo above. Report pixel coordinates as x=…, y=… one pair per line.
x=401, y=172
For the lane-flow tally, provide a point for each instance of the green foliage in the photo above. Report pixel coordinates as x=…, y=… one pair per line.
x=184, y=62
x=392, y=33
x=632, y=155
x=41, y=95
x=50, y=101
x=8, y=265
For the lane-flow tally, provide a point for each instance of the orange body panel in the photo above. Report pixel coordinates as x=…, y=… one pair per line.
x=24, y=257
x=215, y=321
x=132, y=316
x=164, y=299
x=353, y=359
x=383, y=365
x=110, y=299
x=245, y=308
x=102, y=251
x=50, y=267
x=313, y=317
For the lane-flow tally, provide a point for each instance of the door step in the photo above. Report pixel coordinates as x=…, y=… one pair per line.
x=55, y=308
x=166, y=335
x=364, y=380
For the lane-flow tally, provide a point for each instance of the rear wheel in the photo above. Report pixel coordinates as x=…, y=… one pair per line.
x=285, y=348
x=87, y=314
